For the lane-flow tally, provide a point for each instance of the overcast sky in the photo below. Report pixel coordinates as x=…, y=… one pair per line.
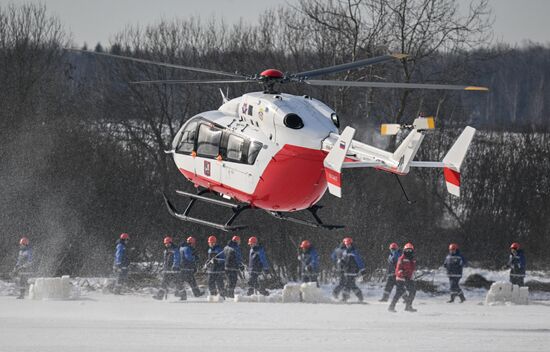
x=93, y=21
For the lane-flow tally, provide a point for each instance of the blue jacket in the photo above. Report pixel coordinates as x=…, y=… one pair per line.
x=216, y=260
x=257, y=260
x=454, y=264
x=188, y=258
x=24, y=259
x=516, y=263
x=121, y=255
x=353, y=264
x=393, y=257
x=233, y=256
x=337, y=256
x=309, y=260
x=171, y=258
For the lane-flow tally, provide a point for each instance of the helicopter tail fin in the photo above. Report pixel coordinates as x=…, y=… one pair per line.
x=453, y=160
x=334, y=160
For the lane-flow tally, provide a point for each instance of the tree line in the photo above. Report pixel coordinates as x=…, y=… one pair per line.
x=82, y=151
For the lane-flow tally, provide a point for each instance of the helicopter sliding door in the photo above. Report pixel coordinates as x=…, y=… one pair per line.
x=208, y=160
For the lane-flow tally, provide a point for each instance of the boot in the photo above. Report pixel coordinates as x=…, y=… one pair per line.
x=384, y=298
x=21, y=294
x=453, y=296
x=230, y=293
x=462, y=298
x=359, y=295
x=117, y=290
x=409, y=308
x=391, y=308
x=160, y=295
x=183, y=295
x=197, y=292
x=335, y=294
x=250, y=291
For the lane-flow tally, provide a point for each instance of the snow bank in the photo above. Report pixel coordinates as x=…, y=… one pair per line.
x=502, y=292
x=52, y=288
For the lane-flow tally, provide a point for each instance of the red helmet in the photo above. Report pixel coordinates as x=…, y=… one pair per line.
x=394, y=245
x=24, y=241
x=191, y=240
x=347, y=241
x=409, y=246
x=305, y=244
x=252, y=241
x=236, y=239
x=453, y=247
x=167, y=240
x=515, y=246
x=212, y=239
x=124, y=236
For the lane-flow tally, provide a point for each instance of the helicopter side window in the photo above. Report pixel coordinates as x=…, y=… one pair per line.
x=235, y=148
x=253, y=151
x=188, y=137
x=208, y=143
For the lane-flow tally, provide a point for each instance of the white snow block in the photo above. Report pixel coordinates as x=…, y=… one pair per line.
x=291, y=293
x=312, y=294
x=51, y=288
x=502, y=292
x=214, y=299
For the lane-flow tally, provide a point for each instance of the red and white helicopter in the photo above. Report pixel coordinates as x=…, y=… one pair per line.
x=280, y=152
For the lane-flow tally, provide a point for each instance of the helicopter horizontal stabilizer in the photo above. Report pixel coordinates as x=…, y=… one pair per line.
x=334, y=160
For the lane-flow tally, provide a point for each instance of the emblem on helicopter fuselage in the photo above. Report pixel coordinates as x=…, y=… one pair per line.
x=207, y=168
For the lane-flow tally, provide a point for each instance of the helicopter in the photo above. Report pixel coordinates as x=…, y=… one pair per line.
x=280, y=152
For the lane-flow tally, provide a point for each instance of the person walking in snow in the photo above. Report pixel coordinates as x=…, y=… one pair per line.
x=454, y=262
x=393, y=257
x=23, y=266
x=122, y=263
x=215, y=267
x=336, y=256
x=170, y=268
x=353, y=266
x=257, y=264
x=404, y=271
x=516, y=263
x=233, y=264
x=189, y=260
x=309, y=262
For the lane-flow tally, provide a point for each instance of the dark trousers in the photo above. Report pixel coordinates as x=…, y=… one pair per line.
x=232, y=276
x=454, y=282
x=310, y=277
x=215, y=283
x=389, y=286
x=402, y=286
x=171, y=277
x=255, y=284
x=517, y=280
x=189, y=277
x=350, y=285
x=121, y=276
x=340, y=286
x=21, y=281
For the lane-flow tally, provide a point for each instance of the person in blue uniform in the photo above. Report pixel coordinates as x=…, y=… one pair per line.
x=336, y=256
x=23, y=267
x=122, y=262
x=257, y=264
x=516, y=263
x=215, y=267
x=454, y=262
x=233, y=264
x=170, y=268
x=309, y=262
x=353, y=266
x=393, y=257
x=189, y=260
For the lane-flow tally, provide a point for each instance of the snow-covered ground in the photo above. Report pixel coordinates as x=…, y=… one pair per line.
x=136, y=322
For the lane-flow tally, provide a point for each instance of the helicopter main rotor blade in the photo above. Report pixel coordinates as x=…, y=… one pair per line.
x=190, y=81
x=144, y=61
x=320, y=82
x=348, y=66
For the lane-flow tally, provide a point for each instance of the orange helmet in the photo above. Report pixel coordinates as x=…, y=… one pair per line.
x=393, y=245
x=24, y=241
x=167, y=240
x=124, y=236
x=305, y=244
x=347, y=241
x=236, y=239
x=515, y=246
x=212, y=239
x=191, y=240
x=252, y=241
x=453, y=247
x=409, y=246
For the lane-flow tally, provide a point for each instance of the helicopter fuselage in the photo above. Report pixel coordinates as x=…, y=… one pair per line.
x=261, y=149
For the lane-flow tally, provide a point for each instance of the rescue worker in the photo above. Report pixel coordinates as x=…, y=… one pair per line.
x=404, y=271
x=393, y=257
x=215, y=267
x=122, y=262
x=257, y=264
x=189, y=260
x=23, y=266
x=170, y=268
x=309, y=262
x=233, y=264
x=336, y=256
x=454, y=262
x=353, y=265
x=516, y=263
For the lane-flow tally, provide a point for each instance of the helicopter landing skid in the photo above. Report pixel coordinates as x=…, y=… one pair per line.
x=236, y=208
x=313, y=210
